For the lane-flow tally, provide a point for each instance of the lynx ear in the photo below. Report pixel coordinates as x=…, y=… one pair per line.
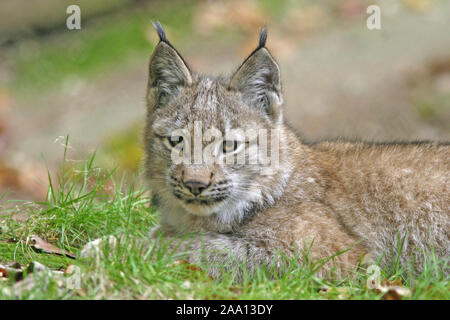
x=168, y=72
x=258, y=80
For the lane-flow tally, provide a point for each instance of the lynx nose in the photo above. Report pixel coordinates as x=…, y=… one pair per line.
x=196, y=187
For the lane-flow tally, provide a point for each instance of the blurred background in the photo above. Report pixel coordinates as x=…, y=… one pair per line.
x=340, y=79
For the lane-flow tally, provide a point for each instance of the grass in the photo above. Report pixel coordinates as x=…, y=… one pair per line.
x=86, y=203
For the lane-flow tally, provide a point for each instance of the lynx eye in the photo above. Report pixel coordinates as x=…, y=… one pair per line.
x=174, y=141
x=230, y=145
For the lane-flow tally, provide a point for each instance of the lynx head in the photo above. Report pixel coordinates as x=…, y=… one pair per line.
x=191, y=115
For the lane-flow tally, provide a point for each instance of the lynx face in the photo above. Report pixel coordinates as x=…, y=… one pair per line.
x=203, y=133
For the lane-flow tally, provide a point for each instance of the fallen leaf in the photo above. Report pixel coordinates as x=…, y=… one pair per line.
x=391, y=295
x=40, y=244
x=392, y=289
x=394, y=292
x=3, y=272
x=13, y=270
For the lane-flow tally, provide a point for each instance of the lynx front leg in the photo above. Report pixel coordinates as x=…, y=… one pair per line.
x=215, y=252
x=219, y=253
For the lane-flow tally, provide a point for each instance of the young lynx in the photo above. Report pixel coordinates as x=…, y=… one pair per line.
x=324, y=197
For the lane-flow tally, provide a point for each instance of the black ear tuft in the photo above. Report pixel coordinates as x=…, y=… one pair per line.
x=258, y=80
x=168, y=72
x=162, y=38
x=161, y=33
x=262, y=37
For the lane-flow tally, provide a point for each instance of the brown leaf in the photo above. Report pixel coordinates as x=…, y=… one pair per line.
x=3, y=273
x=394, y=292
x=391, y=295
x=40, y=244
x=11, y=270
x=393, y=289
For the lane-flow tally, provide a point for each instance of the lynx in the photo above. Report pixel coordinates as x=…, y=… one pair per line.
x=359, y=199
